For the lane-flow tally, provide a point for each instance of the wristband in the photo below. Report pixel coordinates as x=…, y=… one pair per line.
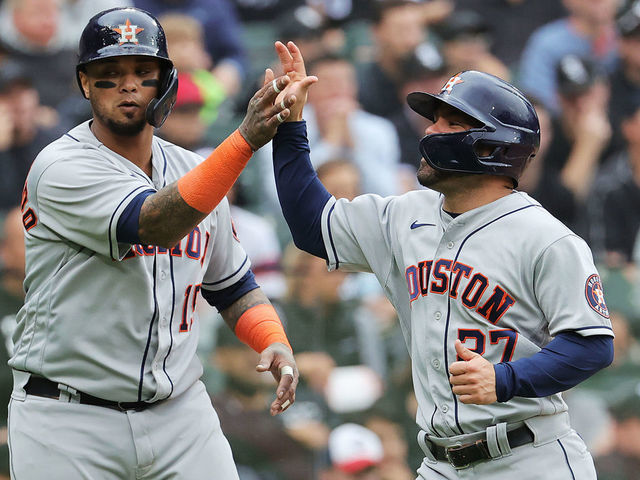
x=204, y=186
x=259, y=327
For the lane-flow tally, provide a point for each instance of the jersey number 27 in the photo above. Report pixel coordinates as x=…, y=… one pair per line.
x=495, y=336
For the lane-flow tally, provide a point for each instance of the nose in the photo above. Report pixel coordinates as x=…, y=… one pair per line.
x=129, y=82
x=435, y=127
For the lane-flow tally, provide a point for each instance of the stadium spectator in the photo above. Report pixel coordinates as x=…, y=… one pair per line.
x=423, y=71
x=27, y=127
x=542, y=181
x=186, y=43
x=339, y=127
x=223, y=36
x=187, y=125
x=511, y=22
x=588, y=31
x=625, y=80
x=395, y=446
x=623, y=462
x=397, y=28
x=76, y=14
x=466, y=41
x=32, y=34
x=580, y=135
x=355, y=453
x=613, y=205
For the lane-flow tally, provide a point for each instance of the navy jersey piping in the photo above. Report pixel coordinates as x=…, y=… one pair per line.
x=446, y=328
x=164, y=170
x=153, y=317
x=246, y=259
x=591, y=328
x=173, y=306
x=566, y=458
x=72, y=137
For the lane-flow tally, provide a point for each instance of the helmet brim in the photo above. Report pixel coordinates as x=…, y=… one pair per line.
x=426, y=104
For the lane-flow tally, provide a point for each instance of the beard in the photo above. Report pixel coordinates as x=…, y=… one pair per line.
x=129, y=128
x=430, y=177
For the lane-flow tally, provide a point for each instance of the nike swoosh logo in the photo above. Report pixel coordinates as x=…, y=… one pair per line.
x=415, y=225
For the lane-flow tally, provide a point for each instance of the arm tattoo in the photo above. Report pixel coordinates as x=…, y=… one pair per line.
x=244, y=303
x=165, y=218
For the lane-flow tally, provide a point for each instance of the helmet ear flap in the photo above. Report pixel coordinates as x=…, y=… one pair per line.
x=159, y=108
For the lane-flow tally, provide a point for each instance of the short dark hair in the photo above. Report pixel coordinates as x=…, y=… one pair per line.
x=381, y=7
x=327, y=58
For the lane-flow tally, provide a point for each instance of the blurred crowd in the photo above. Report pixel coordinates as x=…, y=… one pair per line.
x=577, y=60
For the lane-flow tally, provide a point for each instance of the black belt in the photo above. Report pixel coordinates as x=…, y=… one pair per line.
x=464, y=455
x=42, y=387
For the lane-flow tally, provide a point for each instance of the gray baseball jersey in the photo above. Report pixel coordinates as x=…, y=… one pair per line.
x=503, y=278
x=113, y=320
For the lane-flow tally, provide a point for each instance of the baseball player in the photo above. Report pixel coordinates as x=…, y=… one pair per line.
x=500, y=304
x=123, y=232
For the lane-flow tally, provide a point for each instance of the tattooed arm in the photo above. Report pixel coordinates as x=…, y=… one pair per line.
x=165, y=218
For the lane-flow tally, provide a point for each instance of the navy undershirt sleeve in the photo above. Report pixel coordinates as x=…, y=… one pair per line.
x=566, y=361
x=302, y=196
x=222, y=299
x=129, y=221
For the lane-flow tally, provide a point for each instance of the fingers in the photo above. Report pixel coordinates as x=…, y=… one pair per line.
x=458, y=368
x=463, y=389
x=268, y=76
x=280, y=405
x=297, y=61
x=286, y=59
x=286, y=391
x=271, y=88
x=463, y=352
x=280, y=112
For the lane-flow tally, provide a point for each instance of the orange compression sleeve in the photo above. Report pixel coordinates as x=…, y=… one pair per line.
x=204, y=186
x=260, y=326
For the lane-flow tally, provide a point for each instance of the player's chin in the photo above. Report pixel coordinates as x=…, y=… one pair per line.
x=128, y=127
x=427, y=175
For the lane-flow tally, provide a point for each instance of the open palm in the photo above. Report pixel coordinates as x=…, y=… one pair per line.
x=292, y=65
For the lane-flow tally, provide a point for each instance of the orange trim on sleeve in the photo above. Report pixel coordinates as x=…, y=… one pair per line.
x=204, y=186
x=260, y=326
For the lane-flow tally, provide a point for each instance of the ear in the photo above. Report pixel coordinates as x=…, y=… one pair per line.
x=84, y=83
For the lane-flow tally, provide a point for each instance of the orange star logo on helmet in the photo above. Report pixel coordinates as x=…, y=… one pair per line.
x=128, y=33
x=450, y=84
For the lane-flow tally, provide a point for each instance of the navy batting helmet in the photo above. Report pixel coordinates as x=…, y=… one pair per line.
x=508, y=126
x=131, y=31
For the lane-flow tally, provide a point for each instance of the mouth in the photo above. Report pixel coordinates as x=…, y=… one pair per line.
x=128, y=106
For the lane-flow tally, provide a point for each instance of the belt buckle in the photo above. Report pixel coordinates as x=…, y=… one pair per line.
x=450, y=459
x=459, y=448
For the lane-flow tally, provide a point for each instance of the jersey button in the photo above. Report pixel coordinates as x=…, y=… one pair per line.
x=444, y=408
x=436, y=363
x=450, y=245
x=437, y=315
x=163, y=275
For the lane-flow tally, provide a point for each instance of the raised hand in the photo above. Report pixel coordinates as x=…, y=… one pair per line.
x=264, y=114
x=473, y=379
x=293, y=67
